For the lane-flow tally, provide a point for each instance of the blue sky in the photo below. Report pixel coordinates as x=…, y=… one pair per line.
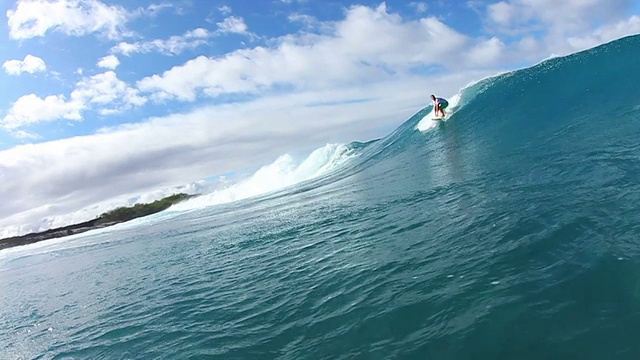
x=95, y=93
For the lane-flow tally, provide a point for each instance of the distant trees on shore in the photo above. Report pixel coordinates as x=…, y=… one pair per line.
x=122, y=214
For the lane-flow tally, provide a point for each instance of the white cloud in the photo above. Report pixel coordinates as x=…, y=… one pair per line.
x=21, y=134
x=304, y=19
x=232, y=24
x=31, y=64
x=107, y=91
x=554, y=16
x=295, y=60
x=31, y=109
x=561, y=27
x=154, y=9
x=109, y=62
x=502, y=13
x=73, y=17
x=172, y=46
x=486, y=53
x=606, y=33
x=104, y=92
x=224, y=9
x=420, y=7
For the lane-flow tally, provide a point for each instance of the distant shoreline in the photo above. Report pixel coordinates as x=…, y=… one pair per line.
x=110, y=218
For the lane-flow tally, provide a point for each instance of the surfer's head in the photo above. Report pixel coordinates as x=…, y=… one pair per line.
x=433, y=97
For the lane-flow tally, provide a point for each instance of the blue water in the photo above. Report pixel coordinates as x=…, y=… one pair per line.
x=511, y=231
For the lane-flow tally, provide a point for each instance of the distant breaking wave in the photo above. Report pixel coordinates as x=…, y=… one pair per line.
x=282, y=173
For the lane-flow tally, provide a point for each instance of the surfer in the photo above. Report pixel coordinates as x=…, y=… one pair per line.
x=439, y=105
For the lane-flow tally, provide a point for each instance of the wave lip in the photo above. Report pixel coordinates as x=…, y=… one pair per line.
x=282, y=173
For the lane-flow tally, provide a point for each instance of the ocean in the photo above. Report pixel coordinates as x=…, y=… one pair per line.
x=510, y=231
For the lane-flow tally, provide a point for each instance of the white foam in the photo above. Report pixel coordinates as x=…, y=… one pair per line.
x=280, y=174
x=427, y=123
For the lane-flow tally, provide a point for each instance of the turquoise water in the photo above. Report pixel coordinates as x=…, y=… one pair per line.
x=512, y=231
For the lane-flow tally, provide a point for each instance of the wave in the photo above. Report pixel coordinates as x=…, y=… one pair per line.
x=546, y=94
x=557, y=83
x=282, y=173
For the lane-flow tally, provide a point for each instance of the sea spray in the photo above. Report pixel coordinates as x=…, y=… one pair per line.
x=283, y=172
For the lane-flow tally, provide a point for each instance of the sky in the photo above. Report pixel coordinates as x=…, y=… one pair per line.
x=105, y=103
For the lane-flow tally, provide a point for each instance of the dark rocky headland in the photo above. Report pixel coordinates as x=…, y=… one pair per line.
x=116, y=216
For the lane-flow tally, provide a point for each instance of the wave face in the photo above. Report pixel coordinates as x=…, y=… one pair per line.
x=510, y=231
x=282, y=173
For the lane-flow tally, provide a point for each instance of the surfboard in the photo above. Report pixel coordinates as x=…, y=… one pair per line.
x=438, y=119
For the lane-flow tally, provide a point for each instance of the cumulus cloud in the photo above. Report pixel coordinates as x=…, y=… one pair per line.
x=31, y=64
x=485, y=53
x=606, y=33
x=31, y=109
x=307, y=20
x=109, y=62
x=554, y=16
x=233, y=25
x=565, y=26
x=171, y=46
x=109, y=93
x=502, y=13
x=104, y=92
x=35, y=18
x=295, y=60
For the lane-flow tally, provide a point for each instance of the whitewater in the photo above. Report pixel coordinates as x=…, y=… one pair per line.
x=282, y=173
x=509, y=231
